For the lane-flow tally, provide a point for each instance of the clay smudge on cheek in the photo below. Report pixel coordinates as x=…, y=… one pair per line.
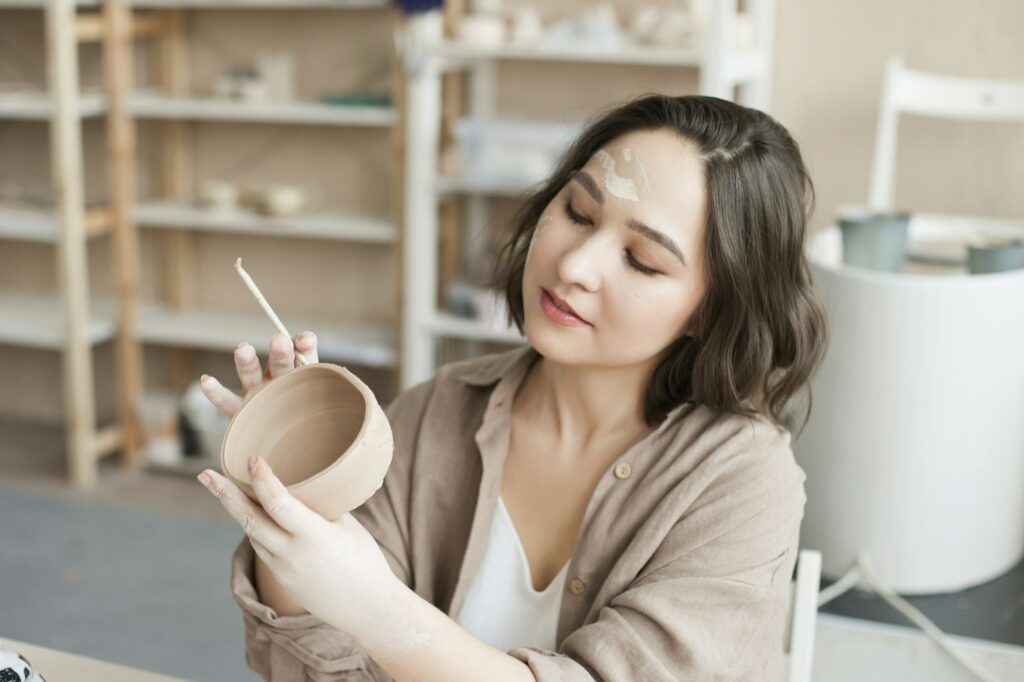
x=632, y=184
x=542, y=225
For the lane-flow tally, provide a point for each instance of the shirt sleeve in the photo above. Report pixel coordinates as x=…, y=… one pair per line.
x=304, y=647
x=712, y=602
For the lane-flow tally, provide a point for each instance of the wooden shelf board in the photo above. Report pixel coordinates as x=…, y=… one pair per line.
x=27, y=224
x=186, y=466
x=453, y=185
x=453, y=326
x=333, y=225
x=36, y=106
x=39, y=4
x=260, y=4
x=35, y=319
x=147, y=105
x=638, y=55
x=361, y=343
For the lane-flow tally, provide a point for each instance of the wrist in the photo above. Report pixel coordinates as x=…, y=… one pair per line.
x=395, y=623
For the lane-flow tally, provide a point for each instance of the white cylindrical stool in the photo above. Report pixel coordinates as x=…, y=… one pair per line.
x=914, y=451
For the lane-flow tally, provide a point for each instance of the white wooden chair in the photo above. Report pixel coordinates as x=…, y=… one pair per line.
x=803, y=616
x=931, y=94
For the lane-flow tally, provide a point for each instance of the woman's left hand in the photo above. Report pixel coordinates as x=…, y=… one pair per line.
x=336, y=571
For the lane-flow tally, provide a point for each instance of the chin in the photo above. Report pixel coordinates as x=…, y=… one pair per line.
x=554, y=343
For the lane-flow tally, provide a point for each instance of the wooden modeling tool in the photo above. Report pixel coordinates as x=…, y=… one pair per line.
x=266, y=306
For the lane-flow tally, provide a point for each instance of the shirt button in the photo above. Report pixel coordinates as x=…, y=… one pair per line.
x=623, y=470
x=576, y=586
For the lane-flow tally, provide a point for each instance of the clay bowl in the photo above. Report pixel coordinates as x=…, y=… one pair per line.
x=321, y=431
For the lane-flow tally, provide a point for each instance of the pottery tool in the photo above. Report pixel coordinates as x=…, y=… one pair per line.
x=266, y=306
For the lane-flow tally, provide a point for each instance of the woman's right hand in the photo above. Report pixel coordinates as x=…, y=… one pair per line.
x=253, y=377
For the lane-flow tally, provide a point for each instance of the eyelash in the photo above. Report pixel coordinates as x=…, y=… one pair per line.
x=633, y=262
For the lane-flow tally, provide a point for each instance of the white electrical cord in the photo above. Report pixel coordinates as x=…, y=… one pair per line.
x=863, y=568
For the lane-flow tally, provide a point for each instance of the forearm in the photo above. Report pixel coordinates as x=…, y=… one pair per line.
x=413, y=640
x=272, y=593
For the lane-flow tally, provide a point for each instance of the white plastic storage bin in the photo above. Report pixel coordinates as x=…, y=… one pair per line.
x=914, y=451
x=511, y=151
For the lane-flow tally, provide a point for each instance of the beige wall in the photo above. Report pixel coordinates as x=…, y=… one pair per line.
x=828, y=80
x=828, y=71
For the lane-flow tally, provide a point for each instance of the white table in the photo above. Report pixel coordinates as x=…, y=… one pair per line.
x=60, y=666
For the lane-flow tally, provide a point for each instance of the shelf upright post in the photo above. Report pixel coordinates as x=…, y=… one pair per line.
x=714, y=49
x=482, y=100
x=724, y=69
x=419, y=247
x=117, y=64
x=764, y=35
x=73, y=280
x=178, y=267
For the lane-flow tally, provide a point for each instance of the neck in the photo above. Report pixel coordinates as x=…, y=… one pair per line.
x=584, y=405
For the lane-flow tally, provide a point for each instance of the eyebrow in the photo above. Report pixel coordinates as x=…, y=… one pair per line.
x=585, y=179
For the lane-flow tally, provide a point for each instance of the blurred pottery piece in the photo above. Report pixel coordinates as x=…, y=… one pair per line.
x=220, y=195
x=874, y=239
x=527, y=26
x=482, y=30
x=320, y=429
x=987, y=255
x=283, y=200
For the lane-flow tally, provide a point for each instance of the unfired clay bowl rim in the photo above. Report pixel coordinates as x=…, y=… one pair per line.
x=368, y=404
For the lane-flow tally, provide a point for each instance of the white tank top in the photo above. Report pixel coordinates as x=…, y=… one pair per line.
x=501, y=606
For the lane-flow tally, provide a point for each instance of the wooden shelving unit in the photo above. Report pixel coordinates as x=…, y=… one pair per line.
x=67, y=321
x=180, y=322
x=723, y=69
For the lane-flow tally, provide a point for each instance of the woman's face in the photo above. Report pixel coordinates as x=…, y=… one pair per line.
x=623, y=245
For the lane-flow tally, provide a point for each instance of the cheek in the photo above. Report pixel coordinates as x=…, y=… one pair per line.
x=541, y=242
x=652, y=311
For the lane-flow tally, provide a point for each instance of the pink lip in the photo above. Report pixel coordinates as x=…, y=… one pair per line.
x=553, y=306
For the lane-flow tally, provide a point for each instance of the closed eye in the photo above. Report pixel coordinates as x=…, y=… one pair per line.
x=633, y=262
x=638, y=266
x=574, y=216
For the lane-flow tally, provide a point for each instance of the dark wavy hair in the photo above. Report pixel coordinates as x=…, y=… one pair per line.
x=759, y=334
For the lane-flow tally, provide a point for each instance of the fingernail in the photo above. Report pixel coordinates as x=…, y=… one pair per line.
x=204, y=478
x=253, y=463
x=204, y=378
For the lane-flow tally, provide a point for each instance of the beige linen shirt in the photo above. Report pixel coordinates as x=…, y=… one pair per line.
x=681, y=568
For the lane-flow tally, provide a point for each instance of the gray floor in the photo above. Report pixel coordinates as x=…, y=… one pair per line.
x=993, y=611
x=136, y=588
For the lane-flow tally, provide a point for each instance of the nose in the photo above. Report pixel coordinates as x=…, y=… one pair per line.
x=584, y=263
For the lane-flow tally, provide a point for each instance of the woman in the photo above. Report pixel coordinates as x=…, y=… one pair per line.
x=617, y=500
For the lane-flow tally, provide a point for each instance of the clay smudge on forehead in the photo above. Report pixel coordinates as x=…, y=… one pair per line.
x=625, y=176
x=542, y=225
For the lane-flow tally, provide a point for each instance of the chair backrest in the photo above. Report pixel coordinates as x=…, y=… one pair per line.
x=803, y=616
x=930, y=94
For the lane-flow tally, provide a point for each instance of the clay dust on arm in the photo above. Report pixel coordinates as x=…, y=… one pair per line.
x=412, y=639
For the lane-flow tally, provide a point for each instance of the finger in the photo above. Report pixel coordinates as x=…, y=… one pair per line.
x=248, y=366
x=305, y=343
x=223, y=399
x=256, y=523
x=287, y=511
x=282, y=355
